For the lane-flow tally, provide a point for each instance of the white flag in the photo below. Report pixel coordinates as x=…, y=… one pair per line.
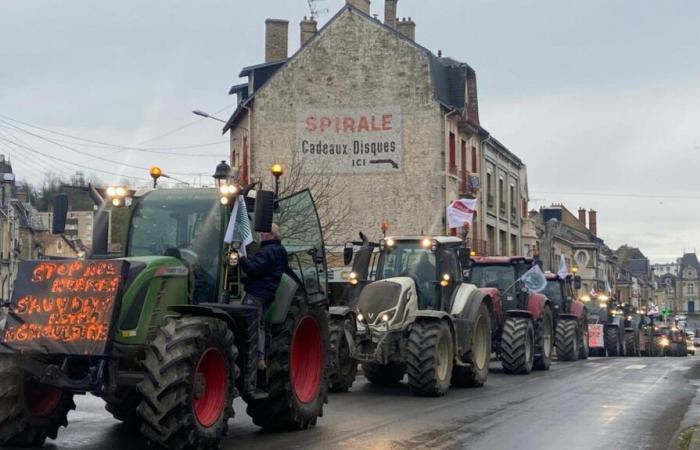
x=239, y=229
x=460, y=212
x=534, y=279
x=563, y=271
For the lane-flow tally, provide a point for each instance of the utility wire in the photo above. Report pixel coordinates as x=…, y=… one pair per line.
x=182, y=127
x=622, y=195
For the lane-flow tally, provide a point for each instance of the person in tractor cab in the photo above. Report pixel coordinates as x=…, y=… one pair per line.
x=424, y=271
x=264, y=271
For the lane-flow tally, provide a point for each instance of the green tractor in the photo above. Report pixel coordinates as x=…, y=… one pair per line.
x=161, y=334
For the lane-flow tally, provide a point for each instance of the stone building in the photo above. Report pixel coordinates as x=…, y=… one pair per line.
x=633, y=262
x=662, y=268
x=668, y=283
x=688, y=283
x=394, y=125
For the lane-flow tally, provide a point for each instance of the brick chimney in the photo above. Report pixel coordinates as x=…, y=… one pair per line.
x=582, y=216
x=407, y=27
x=472, y=97
x=390, y=8
x=276, y=37
x=362, y=5
x=593, y=222
x=308, y=29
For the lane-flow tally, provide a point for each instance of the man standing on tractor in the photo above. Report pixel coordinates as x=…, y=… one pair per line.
x=264, y=271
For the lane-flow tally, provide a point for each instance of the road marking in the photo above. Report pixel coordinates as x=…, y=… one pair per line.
x=635, y=367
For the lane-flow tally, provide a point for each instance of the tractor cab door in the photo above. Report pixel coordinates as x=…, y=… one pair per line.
x=449, y=278
x=302, y=237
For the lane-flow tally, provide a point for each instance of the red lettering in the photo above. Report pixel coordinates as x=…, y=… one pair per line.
x=325, y=123
x=363, y=124
x=311, y=124
x=375, y=127
x=348, y=124
x=386, y=122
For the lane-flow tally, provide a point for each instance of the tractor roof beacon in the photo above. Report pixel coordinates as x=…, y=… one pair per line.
x=421, y=318
x=523, y=336
x=178, y=328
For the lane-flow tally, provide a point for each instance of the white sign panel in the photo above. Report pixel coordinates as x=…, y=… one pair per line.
x=350, y=141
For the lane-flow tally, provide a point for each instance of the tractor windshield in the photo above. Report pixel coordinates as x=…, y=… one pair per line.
x=498, y=276
x=185, y=224
x=553, y=291
x=410, y=259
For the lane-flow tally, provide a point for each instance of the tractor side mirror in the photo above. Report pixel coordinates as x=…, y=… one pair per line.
x=577, y=282
x=347, y=254
x=60, y=212
x=264, y=209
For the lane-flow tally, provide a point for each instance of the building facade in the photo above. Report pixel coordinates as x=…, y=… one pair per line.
x=688, y=283
x=394, y=126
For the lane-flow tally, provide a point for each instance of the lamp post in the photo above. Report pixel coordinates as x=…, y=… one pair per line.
x=385, y=227
x=277, y=171
x=224, y=185
x=200, y=113
x=155, y=173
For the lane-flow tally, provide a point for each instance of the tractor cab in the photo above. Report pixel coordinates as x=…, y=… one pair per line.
x=560, y=291
x=503, y=273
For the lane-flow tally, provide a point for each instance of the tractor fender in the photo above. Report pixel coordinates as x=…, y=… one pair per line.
x=465, y=321
x=287, y=289
x=519, y=313
x=496, y=302
x=577, y=308
x=568, y=316
x=340, y=312
x=205, y=310
x=536, y=304
x=461, y=297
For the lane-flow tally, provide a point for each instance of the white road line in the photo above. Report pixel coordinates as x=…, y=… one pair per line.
x=635, y=367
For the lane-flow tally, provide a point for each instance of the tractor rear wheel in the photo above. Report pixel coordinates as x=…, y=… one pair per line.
x=612, y=341
x=297, y=380
x=545, y=341
x=30, y=411
x=189, y=383
x=122, y=405
x=631, y=344
x=429, y=358
x=383, y=375
x=343, y=366
x=517, y=345
x=478, y=356
x=567, y=340
x=583, y=350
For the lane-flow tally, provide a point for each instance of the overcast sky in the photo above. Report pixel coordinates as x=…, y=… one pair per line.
x=600, y=97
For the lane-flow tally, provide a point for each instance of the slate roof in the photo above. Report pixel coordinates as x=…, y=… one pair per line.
x=449, y=76
x=690, y=260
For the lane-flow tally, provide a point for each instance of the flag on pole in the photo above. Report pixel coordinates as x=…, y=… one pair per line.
x=460, y=212
x=239, y=229
x=563, y=271
x=534, y=279
x=608, y=289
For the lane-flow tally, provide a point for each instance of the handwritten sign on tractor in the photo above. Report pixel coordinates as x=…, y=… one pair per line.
x=64, y=307
x=350, y=141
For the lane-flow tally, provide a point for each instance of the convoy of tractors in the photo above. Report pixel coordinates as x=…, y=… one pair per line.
x=161, y=334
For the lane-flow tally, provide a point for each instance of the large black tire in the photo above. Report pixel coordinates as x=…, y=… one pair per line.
x=583, y=350
x=518, y=345
x=612, y=341
x=429, y=358
x=122, y=405
x=343, y=367
x=189, y=384
x=383, y=375
x=567, y=340
x=545, y=341
x=29, y=411
x=295, y=402
x=631, y=348
x=478, y=357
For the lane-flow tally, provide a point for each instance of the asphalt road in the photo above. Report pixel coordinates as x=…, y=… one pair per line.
x=601, y=403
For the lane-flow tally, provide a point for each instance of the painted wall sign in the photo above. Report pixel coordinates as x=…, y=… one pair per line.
x=64, y=307
x=350, y=141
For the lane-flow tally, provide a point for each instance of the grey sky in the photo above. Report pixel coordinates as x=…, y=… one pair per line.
x=601, y=96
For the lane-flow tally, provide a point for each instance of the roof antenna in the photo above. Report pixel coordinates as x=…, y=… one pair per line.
x=314, y=10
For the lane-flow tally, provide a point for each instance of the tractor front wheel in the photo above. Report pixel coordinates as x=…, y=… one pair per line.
x=30, y=411
x=631, y=348
x=343, y=365
x=612, y=341
x=545, y=341
x=517, y=345
x=189, y=385
x=583, y=350
x=567, y=340
x=429, y=358
x=478, y=357
x=297, y=379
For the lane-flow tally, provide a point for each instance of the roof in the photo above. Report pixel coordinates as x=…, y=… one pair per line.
x=488, y=138
x=501, y=259
x=448, y=75
x=690, y=260
x=439, y=239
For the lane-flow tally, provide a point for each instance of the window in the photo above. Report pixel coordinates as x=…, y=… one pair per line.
x=475, y=167
x=489, y=189
x=463, y=166
x=501, y=196
x=514, y=250
x=453, y=156
x=691, y=289
x=513, y=214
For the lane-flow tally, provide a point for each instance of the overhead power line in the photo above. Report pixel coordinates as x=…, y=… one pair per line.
x=182, y=127
x=622, y=195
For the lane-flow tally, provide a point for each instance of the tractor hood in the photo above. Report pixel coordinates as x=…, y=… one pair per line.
x=390, y=299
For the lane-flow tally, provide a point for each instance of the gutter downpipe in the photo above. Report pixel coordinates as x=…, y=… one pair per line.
x=446, y=169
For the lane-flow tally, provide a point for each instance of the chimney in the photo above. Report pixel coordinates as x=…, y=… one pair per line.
x=308, y=30
x=276, y=36
x=390, y=13
x=362, y=5
x=407, y=27
x=582, y=216
x=472, y=98
x=593, y=222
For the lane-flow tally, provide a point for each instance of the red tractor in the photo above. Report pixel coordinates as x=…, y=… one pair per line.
x=524, y=333
x=570, y=318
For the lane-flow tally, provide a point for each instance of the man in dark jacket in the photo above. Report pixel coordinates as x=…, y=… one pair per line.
x=264, y=271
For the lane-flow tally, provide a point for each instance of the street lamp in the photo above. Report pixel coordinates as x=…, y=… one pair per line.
x=277, y=171
x=155, y=173
x=384, y=227
x=224, y=184
x=198, y=112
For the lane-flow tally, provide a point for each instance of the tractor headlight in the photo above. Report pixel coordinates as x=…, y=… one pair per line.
x=389, y=242
x=664, y=342
x=426, y=243
x=585, y=298
x=352, y=279
x=360, y=317
x=629, y=317
x=445, y=281
x=385, y=317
